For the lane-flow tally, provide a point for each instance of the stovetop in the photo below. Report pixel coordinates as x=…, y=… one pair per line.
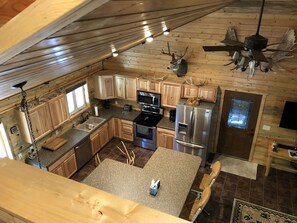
x=147, y=119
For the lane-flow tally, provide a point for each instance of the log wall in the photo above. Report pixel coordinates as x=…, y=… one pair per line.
x=277, y=86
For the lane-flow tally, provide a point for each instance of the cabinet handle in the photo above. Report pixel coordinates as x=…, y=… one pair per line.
x=77, y=147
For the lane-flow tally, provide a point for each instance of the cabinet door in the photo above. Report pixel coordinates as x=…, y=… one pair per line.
x=208, y=93
x=171, y=94
x=95, y=142
x=58, y=110
x=104, y=87
x=189, y=91
x=165, y=138
x=131, y=89
x=110, y=129
x=154, y=86
x=142, y=84
x=103, y=135
x=41, y=123
x=127, y=130
x=117, y=127
x=120, y=87
x=70, y=166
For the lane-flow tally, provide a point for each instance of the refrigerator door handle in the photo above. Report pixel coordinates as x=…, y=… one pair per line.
x=191, y=124
x=189, y=144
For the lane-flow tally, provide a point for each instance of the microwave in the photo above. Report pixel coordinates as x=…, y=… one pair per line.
x=148, y=98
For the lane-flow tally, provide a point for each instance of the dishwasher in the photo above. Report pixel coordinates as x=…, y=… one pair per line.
x=83, y=152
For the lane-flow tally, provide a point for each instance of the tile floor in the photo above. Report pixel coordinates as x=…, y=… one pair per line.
x=277, y=191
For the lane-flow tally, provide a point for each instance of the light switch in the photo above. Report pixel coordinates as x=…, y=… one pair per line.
x=266, y=127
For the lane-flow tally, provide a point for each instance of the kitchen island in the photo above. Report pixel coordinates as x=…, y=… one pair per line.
x=176, y=172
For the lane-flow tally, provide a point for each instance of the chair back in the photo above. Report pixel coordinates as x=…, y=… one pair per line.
x=199, y=204
x=216, y=169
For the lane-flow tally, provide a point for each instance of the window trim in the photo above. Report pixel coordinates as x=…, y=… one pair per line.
x=4, y=142
x=86, y=105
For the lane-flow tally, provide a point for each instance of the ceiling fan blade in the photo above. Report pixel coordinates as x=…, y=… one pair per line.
x=277, y=50
x=232, y=42
x=221, y=48
x=258, y=56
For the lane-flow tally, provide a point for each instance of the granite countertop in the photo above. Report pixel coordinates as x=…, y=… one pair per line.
x=166, y=124
x=175, y=170
x=48, y=157
x=74, y=136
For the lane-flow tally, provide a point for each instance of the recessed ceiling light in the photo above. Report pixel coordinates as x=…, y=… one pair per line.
x=115, y=53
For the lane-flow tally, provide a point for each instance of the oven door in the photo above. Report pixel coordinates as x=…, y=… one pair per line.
x=145, y=136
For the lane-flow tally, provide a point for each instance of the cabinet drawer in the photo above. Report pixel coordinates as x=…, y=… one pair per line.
x=61, y=160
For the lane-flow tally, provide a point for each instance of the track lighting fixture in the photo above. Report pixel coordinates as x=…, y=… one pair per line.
x=166, y=32
x=150, y=39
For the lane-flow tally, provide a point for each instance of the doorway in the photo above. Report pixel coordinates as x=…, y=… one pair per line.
x=238, y=122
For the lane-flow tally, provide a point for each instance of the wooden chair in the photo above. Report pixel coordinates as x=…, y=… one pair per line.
x=209, y=179
x=199, y=204
x=130, y=156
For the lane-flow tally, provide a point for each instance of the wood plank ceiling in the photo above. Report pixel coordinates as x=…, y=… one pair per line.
x=116, y=24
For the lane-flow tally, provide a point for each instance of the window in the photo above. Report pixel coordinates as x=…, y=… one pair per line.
x=77, y=98
x=5, y=150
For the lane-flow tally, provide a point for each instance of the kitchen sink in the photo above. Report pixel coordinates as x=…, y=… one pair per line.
x=90, y=124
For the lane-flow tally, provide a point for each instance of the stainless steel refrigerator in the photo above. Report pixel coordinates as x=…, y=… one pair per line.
x=193, y=128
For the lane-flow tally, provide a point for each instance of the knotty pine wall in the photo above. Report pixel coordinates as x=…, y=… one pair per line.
x=276, y=86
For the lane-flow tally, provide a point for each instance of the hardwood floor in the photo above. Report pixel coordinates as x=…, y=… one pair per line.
x=277, y=191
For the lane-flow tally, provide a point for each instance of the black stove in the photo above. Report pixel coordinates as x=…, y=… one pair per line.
x=147, y=119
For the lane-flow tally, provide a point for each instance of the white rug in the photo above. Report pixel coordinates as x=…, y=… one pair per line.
x=238, y=167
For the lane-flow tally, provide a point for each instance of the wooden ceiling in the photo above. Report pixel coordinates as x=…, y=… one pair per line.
x=47, y=40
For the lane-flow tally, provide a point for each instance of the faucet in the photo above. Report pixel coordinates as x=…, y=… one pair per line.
x=84, y=116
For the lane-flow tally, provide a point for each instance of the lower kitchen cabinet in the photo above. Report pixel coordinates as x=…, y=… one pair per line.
x=110, y=125
x=66, y=166
x=165, y=138
x=127, y=130
x=99, y=138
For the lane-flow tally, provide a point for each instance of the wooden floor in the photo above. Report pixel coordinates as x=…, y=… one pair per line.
x=277, y=191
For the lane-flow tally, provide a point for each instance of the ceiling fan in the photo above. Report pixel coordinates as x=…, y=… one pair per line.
x=254, y=45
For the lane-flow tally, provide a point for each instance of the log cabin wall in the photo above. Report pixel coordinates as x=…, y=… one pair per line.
x=9, y=105
x=276, y=86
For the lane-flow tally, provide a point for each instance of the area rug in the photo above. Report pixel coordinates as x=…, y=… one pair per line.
x=245, y=212
x=238, y=167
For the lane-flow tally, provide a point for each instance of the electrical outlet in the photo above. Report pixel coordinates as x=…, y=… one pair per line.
x=266, y=127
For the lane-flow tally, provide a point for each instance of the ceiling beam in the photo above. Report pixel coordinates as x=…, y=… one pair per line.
x=41, y=19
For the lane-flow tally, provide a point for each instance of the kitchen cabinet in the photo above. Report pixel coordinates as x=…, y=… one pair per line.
x=208, y=93
x=171, y=94
x=148, y=85
x=165, y=138
x=41, y=123
x=99, y=138
x=127, y=130
x=125, y=87
x=123, y=129
x=110, y=125
x=66, y=166
x=58, y=110
x=189, y=91
x=104, y=87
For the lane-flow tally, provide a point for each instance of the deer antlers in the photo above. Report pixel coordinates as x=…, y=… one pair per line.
x=173, y=55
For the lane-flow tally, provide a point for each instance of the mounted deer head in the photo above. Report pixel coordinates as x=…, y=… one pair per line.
x=178, y=65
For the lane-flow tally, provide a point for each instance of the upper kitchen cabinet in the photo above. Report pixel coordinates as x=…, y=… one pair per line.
x=104, y=86
x=189, y=91
x=125, y=87
x=171, y=94
x=148, y=85
x=41, y=123
x=208, y=93
x=58, y=110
